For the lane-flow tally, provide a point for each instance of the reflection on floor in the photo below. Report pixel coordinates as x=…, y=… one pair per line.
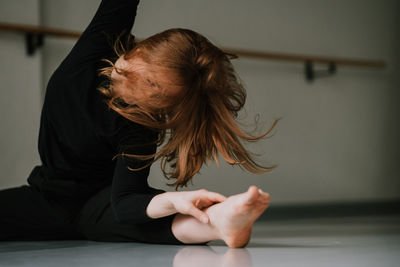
x=355, y=241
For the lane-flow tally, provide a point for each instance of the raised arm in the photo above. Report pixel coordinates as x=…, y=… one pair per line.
x=111, y=19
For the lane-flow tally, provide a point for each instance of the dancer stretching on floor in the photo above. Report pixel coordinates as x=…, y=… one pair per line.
x=107, y=108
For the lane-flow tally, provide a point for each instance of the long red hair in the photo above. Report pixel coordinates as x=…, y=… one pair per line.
x=199, y=124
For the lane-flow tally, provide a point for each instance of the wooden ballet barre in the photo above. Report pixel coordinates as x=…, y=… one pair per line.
x=35, y=34
x=304, y=58
x=38, y=30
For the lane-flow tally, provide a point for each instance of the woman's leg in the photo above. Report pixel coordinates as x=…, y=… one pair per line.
x=96, y=222
x=231, y=220
x=26, y=215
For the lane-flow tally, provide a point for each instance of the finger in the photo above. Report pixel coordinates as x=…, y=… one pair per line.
x=204, y=203
x=213, y=196
x=199, y=215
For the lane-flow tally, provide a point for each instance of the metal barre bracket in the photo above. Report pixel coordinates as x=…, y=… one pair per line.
x=311, y=74
x=33, y=41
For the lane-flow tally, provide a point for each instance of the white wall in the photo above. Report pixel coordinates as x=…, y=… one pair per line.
x=338, y=140
x=20, y=101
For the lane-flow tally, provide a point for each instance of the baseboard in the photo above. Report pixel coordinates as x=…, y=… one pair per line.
x=326, y=210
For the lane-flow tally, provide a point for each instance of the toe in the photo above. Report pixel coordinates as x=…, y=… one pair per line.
x=251, y=195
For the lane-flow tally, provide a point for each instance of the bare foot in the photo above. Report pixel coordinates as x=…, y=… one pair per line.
x=234, y=217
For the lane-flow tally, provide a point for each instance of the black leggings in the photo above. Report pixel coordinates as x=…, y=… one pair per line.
x=26, y=215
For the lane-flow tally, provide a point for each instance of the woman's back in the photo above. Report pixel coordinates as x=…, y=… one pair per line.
x=79, y=134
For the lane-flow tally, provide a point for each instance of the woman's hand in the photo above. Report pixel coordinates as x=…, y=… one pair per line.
x=192, y=202
x=185, y=202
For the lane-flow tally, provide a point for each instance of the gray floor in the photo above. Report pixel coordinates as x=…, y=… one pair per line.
x=355, y=241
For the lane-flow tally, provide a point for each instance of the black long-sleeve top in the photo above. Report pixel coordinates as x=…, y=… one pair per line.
x=79, y=134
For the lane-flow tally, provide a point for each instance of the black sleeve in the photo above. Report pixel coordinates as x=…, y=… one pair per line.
x=96, y=42
x=130, y=192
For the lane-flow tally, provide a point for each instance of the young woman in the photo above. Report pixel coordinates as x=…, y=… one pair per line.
x=105, y=112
